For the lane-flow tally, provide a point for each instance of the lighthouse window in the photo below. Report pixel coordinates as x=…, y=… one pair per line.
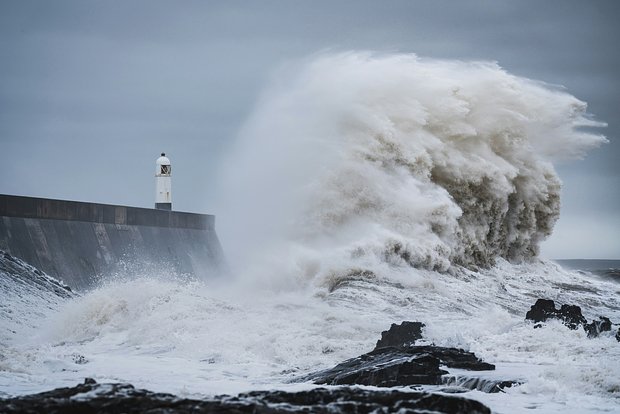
x=165, y=169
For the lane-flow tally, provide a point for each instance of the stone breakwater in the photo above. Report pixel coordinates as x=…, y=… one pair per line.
x=81, y=243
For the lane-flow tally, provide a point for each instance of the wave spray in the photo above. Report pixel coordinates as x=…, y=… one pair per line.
x=356, y=160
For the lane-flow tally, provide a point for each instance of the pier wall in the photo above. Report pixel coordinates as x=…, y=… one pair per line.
x=83, y=244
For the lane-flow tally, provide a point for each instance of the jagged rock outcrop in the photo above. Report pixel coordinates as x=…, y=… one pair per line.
x=400, y=336
x=384, y=367
x=391, y=366
x=453, y=357
x=91, y=398
x=570, y=315
x=397, y=361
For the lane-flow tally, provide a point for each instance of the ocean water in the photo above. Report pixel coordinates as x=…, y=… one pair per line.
x=197, y=339
x=607, y=269
x=364, y=190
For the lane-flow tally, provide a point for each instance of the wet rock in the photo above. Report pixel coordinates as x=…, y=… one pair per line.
x=401, y=336
x=355, y=400
x=383, y=367
x=405, y=335
x=390, y=366
x=454, y=357
x=397, y=361
x=91, y=397
x=594, y=328
x=570, y=315
x=542, y=310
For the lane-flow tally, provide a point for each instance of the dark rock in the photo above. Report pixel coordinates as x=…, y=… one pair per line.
x=389, y=367
x=542, y=310
x=502, y=385
x=453, y=357
x=354, y=400
x=383, y=367
x=596, y=327
x=91, y=398
x=397, y=361
x=401, y=336
x=570, y=315
x=618, y=335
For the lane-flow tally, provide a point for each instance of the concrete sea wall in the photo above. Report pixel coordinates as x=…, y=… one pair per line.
x=84, y=243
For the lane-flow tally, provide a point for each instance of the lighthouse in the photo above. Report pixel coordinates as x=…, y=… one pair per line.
x=163, y=183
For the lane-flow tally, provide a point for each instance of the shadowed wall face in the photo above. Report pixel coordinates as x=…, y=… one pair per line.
x=85, y=243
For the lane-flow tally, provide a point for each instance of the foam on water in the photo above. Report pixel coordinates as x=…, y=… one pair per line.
x=193, y=339
x=364, y=190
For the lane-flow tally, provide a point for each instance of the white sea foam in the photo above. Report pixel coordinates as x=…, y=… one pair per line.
x=364, y=190
x=196, y=339
x=400, y=160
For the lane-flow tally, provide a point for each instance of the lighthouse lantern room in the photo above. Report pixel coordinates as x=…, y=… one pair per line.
x=163, y=183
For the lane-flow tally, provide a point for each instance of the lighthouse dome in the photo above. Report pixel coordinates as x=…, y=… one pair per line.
x=163, y=160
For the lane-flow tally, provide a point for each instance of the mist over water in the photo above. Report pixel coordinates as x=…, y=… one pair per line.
x=364, y=190
x=373, y=159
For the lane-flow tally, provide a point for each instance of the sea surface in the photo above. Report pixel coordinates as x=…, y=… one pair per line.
x=199, y=339
x=607, y=269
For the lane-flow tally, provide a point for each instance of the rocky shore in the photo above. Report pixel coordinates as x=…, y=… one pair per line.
x=396, y=361
x=91, y=398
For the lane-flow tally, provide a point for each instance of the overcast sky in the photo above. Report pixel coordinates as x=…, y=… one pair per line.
x=92, y=91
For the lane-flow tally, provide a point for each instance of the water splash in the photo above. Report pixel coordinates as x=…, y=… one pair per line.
x=370, y=159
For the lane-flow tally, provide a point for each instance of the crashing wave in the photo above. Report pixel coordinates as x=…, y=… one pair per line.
x=406, y=161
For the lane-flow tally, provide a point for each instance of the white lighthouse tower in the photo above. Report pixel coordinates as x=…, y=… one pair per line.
x=163, y=183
